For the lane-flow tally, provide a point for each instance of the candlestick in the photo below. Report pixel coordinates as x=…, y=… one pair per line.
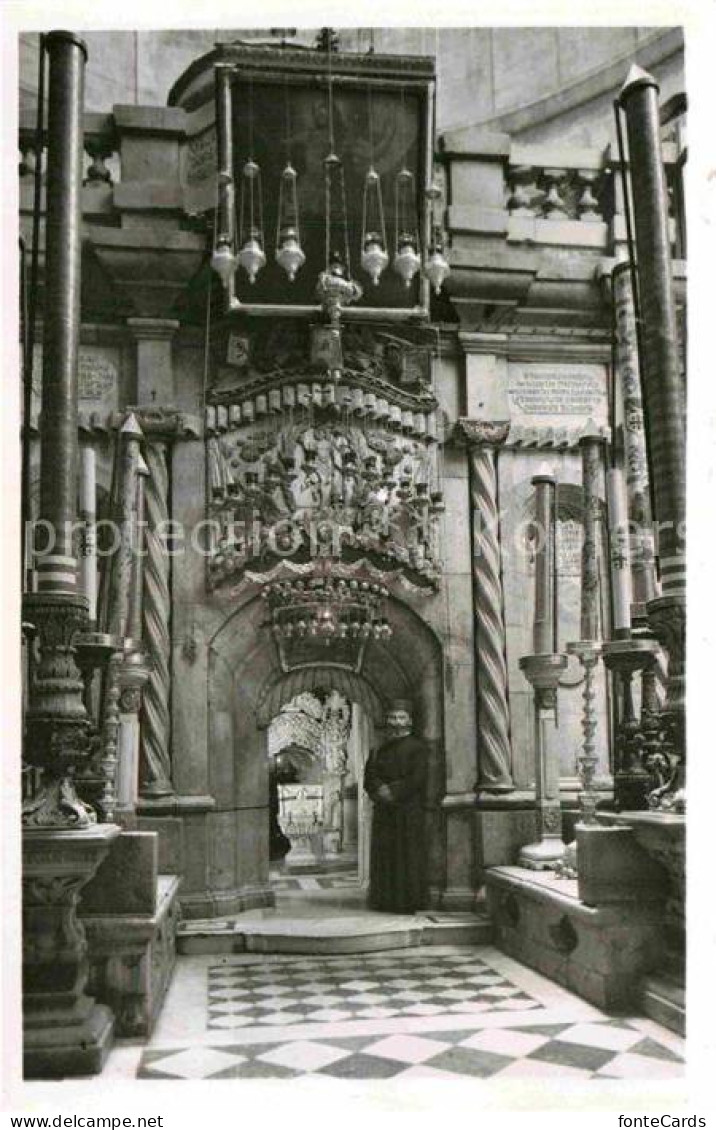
x=588, y=652
x=544, y=672
x=619, y=556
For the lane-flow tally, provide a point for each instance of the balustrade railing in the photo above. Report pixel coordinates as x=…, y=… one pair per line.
x=102, y=161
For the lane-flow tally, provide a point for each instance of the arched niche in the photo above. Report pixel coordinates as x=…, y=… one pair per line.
x=246, y=687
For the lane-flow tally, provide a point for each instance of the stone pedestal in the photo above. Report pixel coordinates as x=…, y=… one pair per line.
x=614, y=869
x=661, y=836
x=65, y=1032
x=600, y=953
x=544, y=672
x=130, y=915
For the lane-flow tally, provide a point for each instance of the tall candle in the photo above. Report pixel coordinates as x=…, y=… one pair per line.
x=88, y=518
x=544, y=620
x=619, y=557
x=591, y=446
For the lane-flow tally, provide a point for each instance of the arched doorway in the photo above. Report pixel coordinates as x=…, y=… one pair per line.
x=318, y=743
x=247, y=687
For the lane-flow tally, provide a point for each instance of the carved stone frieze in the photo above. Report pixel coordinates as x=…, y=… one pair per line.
x=323, y=488
x=275, y=367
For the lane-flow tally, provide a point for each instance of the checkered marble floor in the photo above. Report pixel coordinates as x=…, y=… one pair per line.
x=433, y=1013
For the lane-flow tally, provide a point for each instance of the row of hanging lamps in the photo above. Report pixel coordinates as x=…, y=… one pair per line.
x=289, y=254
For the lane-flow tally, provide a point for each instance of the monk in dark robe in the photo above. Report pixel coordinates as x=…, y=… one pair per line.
x=395, y=781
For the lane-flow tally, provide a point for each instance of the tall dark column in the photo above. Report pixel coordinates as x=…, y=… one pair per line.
x=61, y=315
x=64, y=1031
x=663, y=394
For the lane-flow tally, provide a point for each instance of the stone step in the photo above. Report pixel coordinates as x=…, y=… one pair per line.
x=336, y=934
x=663, y=998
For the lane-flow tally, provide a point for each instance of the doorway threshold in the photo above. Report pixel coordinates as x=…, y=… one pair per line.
x=318, y=925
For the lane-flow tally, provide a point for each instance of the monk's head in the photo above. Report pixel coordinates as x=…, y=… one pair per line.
x=399, y=717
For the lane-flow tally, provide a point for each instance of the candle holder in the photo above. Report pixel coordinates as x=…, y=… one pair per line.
x=632, y=779
x=543, y=672
x=587, y=652
x=95, y=779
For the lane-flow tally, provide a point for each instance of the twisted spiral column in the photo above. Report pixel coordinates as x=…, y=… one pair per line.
x=493, y=715
x=155, y=762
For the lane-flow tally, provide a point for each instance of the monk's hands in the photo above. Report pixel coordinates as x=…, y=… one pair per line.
x=384, y=793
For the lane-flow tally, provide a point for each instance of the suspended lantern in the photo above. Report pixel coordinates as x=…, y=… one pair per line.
x=224, y=262
x=223, y=257
x=289, y=253
x=251, y=234
x=374, y=258
x=437, y=267
x=407, y=242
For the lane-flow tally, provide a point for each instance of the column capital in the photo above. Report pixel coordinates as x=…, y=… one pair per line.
x=480, y=433
x=473, y=342
x=152, y=329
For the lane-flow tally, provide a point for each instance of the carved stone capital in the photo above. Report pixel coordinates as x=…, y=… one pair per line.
x=488, y=433
x=164, y=423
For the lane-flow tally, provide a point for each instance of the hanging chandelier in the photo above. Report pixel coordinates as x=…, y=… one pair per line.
x=324, y=609
x=335, y=286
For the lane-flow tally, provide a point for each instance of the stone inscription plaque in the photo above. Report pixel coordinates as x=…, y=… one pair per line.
x=557, y=394
x=97, y=374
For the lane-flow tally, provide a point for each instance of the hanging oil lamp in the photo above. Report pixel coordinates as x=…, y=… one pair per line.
x=407, y=244
x=251, y=236
x=374, y=258
x=223, y=257
x=224, y=262
x=437, y=267
x=289, y=253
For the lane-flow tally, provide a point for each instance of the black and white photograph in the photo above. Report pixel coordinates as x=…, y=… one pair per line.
x=345, y=419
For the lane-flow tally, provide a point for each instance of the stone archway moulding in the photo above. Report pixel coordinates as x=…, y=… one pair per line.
x=283, y=688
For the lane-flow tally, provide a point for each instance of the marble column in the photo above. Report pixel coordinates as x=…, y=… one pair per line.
x=637, y=469
x=133, y=673
x=155, y=760
x=493, y=715
x=155, y=396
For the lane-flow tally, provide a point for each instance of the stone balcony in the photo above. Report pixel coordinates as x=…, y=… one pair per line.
x=532, y=228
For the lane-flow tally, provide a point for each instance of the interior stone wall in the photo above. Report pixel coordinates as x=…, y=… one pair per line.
x=483, y=72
